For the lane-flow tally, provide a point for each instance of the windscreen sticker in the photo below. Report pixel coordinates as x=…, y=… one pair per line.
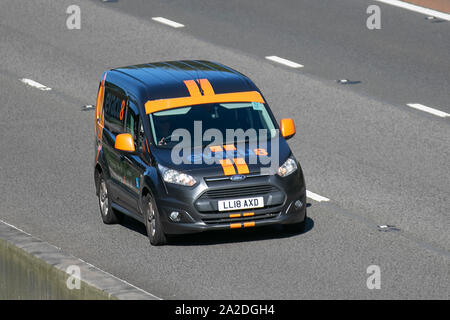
x=260, y=152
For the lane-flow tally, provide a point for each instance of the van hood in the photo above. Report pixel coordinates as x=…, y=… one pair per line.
x=207, y=163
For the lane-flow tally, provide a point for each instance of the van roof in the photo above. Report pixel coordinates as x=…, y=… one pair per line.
x=163, y=80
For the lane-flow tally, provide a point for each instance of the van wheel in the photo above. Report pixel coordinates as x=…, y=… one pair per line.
x=296, y=227
x=109, y=215
x=153, y=222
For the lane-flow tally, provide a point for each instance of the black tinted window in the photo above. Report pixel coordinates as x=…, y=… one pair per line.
x=114, y=107
x=133, y=125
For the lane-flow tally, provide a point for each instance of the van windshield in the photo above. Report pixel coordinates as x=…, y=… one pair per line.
x=200, y=122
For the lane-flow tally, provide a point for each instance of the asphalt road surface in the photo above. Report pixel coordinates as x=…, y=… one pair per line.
x=378, y=161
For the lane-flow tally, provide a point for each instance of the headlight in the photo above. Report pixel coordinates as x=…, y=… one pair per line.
x=287, y=168
x=174, y=176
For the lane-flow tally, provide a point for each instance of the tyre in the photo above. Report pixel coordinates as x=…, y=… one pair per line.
x=296, y=227
x=109, y=215
x=153, y=222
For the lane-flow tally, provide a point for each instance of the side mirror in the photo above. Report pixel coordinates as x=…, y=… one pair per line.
x=287, y=127
x=124, y=142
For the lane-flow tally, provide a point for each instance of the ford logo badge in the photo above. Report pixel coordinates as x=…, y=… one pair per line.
x=237, y=177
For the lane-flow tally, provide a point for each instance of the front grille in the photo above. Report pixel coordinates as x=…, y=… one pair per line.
x=238, y=192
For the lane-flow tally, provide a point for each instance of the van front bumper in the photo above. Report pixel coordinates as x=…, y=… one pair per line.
x=285, y=203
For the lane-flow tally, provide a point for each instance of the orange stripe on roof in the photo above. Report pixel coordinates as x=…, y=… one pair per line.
x=249, y=224
x=192, y=87
x=206, y=87
x=241, y=166
x=227, y=166
x=235, y=225
x=152, y=106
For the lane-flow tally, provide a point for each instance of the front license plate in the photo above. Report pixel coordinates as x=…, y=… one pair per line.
x=241, y=204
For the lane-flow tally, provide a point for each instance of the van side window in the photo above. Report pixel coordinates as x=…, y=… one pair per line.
x=133, y=125
x=114, y=108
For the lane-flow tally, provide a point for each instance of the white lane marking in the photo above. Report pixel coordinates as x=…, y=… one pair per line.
x=428, y=109
x=408, y=6
x=316, y=196
x=91, y=265
x=14, y=227
x=171, y=23
x=35, y=84
x=284, y=61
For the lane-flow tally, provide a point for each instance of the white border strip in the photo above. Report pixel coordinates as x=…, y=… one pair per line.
x=168, y=22
x=14, y=227
x=316, y=196
x=35, y=84
x=284, y=61
x=126, y=282
x=421, y=107
x=89, y=264
x=412, y=7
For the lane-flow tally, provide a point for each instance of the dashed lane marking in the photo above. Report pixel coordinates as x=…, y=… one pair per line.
x=316, y=197
x=284, y=61
x=433, y=111
x=168, y=22
x=35, y=84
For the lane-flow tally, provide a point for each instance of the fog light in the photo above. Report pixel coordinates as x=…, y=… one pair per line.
x=298, y=204
x=175, y=216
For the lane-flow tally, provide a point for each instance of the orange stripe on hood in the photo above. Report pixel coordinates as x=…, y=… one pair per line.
x=241, y=165
x=227, y=166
